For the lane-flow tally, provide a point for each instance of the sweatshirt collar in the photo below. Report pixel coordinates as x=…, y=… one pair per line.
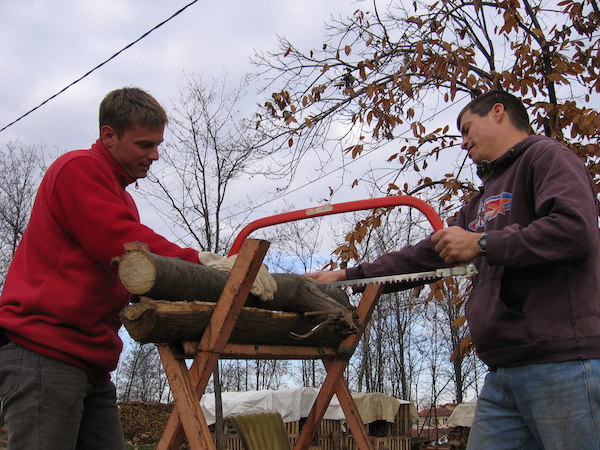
x=121, y=174
x=487, y=168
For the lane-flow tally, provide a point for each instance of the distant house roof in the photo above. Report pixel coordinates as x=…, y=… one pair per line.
x=441, y=411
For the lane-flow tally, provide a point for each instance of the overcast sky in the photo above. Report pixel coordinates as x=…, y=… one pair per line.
x=45, y=45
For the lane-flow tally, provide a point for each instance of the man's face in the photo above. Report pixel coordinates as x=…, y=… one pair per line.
x=479, y=136
x=136, y=150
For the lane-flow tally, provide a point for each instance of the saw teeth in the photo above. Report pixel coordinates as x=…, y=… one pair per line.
x=462, y=270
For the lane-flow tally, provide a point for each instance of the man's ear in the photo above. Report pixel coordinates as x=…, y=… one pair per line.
x=498, y=110
x=108, y=136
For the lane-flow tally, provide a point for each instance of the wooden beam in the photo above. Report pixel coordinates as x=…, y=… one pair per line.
x=187, y=403
x=241, y=351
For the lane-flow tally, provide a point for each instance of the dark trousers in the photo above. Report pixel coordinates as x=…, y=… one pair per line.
x=51, y=405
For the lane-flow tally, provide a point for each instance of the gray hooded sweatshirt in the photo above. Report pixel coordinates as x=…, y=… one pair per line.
x=536, y=298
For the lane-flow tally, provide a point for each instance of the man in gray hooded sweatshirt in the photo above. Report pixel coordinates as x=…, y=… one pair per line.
x=534, y=312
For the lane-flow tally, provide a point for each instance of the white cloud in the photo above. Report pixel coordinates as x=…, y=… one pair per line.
x=46, y=45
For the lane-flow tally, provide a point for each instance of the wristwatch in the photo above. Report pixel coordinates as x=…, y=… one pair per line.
x=482, y=243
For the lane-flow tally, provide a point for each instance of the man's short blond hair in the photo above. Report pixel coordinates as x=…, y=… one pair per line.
x=125, y=108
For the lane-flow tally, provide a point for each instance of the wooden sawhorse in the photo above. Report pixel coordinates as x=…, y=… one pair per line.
x=188, y=386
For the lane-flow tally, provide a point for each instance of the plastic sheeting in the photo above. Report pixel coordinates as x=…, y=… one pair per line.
x=462, y=415
x=294, y=404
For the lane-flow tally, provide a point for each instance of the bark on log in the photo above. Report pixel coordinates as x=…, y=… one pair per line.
x=164, y=278
x=166, y=322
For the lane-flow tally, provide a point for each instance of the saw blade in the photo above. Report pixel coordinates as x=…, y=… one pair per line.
x=464, y=270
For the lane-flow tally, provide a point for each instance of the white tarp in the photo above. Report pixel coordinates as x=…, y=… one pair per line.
x=294, y=404
x=462, y=415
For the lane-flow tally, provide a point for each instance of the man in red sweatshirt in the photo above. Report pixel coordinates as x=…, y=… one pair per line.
x=534, y=312
x=59, y=309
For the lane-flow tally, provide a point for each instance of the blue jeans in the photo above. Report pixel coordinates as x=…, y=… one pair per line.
x=51, y=405
x=540, y=406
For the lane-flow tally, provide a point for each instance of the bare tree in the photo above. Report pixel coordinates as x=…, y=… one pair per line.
x=140, y=376
x=390, y=78
x=211, y=146
x=392, y=74
x=387, y=359
x=21, y=168
x=296, y=248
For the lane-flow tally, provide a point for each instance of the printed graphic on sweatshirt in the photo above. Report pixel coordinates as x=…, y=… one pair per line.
x=490, y=208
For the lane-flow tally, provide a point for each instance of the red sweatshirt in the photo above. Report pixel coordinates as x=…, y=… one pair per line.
x=61, y=297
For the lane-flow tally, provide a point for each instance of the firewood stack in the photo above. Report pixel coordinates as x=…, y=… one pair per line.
x=458, y=437
x=143, y=423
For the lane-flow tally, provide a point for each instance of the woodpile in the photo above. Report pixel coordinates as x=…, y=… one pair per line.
x=458, y=437
x=143, y=423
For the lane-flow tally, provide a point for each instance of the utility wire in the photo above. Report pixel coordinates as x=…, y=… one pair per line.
x=99, y=65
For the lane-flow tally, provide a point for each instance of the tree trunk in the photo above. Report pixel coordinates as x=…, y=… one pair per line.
x=165, y=278
x=219, y=432
x=167, y=322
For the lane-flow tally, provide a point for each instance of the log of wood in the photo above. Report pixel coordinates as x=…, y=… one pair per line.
x=161, y=321
x=166, y=278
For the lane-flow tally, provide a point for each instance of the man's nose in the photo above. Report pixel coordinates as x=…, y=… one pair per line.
x=464, y=142
x=153, y=155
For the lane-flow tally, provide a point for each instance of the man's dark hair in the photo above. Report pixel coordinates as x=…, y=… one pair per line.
x=125, y=108
x=512, y=105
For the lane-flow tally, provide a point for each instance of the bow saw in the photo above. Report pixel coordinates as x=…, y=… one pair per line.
x=467, y=269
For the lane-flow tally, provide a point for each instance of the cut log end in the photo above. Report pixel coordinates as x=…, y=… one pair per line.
x=137, y=272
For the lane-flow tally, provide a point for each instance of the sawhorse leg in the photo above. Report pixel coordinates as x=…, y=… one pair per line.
x=188, y=386
x=189, y=415
x=334, y=381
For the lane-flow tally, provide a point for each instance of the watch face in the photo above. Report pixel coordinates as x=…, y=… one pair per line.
x=483, y=242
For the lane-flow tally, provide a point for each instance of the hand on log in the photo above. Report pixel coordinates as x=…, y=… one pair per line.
x=264, y=286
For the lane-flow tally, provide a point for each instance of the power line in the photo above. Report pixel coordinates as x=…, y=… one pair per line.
x=99, y=65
